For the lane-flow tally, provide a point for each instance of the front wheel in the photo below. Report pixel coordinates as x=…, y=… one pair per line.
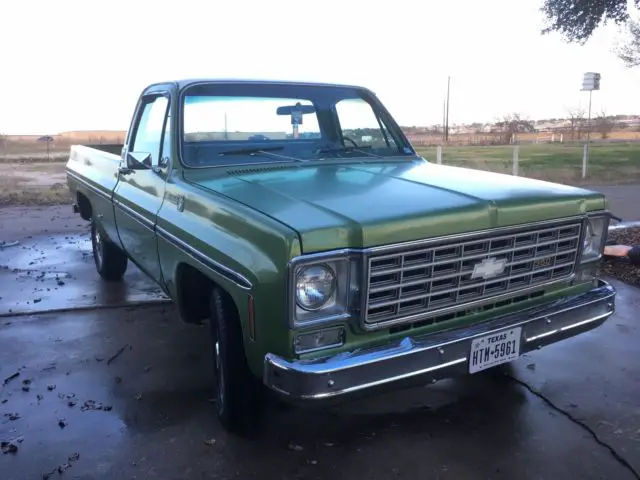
x=239, y=395
x=111, y=261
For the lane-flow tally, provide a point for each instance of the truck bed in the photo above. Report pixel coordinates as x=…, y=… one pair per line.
x=92, y=177
x=113, y=148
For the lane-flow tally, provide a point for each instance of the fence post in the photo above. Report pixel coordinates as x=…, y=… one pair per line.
x=439, y=154
x=516, y=151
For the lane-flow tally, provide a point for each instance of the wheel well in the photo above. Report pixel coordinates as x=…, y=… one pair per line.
x=194, y=294
x=84, y=206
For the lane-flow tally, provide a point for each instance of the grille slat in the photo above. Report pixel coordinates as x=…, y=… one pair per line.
x=486, y=284
x=510, y=275
x=429, y=279
x=375, y=271
x=569, y=231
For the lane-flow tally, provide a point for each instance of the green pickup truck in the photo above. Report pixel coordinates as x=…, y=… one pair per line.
x=329, y=258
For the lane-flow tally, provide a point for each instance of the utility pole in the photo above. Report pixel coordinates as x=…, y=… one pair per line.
x=444, y=117
x=590, y=82
x=446, y=126
x=589, y=119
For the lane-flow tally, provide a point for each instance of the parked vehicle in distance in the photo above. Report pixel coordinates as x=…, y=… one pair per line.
x=328, y=266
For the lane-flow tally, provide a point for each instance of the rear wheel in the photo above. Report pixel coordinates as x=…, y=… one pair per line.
x=239, y=395
x=111, y=261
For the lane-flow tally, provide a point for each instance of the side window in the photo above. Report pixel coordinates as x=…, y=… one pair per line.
x=359, y=124
x=148, y=135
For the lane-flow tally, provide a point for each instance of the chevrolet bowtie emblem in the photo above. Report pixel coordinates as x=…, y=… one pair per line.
x=489, y=267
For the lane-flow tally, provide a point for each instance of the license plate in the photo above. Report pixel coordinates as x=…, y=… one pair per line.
x=494, y=349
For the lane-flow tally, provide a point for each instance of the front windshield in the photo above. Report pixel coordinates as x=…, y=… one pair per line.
x=224, y=123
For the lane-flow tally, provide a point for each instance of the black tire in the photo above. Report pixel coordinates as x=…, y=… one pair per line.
x=111, y=262
x=239, y=394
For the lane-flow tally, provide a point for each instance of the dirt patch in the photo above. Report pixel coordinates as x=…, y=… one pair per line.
x=33, y=184
x=620, y=268
x=26, y=158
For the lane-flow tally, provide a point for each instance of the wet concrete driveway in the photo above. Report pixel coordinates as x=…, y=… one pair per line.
x=125, y=394
x=57, y=272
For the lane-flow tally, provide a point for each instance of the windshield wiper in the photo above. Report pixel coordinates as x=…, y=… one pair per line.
x=266, y=151
x=247, y=151
x=348, y=149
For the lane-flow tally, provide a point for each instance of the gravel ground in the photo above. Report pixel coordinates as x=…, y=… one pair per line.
x=618, y=267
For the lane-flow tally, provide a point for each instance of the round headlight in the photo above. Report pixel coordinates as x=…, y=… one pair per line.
x=315, y=286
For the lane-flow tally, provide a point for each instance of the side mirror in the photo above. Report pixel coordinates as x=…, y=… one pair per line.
x=138, y=160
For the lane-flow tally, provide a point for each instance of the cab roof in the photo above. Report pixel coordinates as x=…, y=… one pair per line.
x=183, y=83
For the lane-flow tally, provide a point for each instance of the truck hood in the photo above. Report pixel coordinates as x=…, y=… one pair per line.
x=368, y=204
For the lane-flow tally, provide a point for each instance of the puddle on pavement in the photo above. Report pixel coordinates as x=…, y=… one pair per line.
x=57, y=271
x=43, y=275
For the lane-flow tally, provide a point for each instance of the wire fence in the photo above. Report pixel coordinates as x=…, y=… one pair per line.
x=567, y=162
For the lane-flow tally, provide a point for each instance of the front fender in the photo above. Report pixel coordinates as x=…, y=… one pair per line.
x=243, y=251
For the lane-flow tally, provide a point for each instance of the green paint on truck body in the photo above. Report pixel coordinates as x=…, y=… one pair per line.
x=355, y=205
x=241, y=224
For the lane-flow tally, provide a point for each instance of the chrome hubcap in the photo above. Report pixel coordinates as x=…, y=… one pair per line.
x=98, y=243
x=219, y=378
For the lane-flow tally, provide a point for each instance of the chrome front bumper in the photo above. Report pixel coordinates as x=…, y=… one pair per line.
x=435, y=356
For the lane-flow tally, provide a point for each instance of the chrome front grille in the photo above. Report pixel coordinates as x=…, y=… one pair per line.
x=435, y=277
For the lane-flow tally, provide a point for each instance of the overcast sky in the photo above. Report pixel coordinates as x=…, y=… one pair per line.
x=69, y=65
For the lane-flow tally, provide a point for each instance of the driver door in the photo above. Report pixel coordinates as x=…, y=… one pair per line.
x=140, y=190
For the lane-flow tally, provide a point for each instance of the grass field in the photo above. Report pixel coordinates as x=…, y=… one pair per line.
x=28, y=149
x=30, y=180
x=465, y=139
x=608, y=162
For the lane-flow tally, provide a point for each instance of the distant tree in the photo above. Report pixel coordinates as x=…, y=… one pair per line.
x=576, y=121
x=629, y=51
x=577, y=20
x=604, y=124
x=513, y=124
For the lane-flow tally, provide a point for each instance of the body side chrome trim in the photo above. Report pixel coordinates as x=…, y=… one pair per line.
x=208, y=262
x=136, y=216
x=90, y=186
x=222, y=270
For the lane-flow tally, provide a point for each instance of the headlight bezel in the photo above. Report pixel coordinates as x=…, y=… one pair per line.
x=347, y=268
x=595, y=227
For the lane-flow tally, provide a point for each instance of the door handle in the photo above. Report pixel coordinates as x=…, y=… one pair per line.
x=125, y=170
